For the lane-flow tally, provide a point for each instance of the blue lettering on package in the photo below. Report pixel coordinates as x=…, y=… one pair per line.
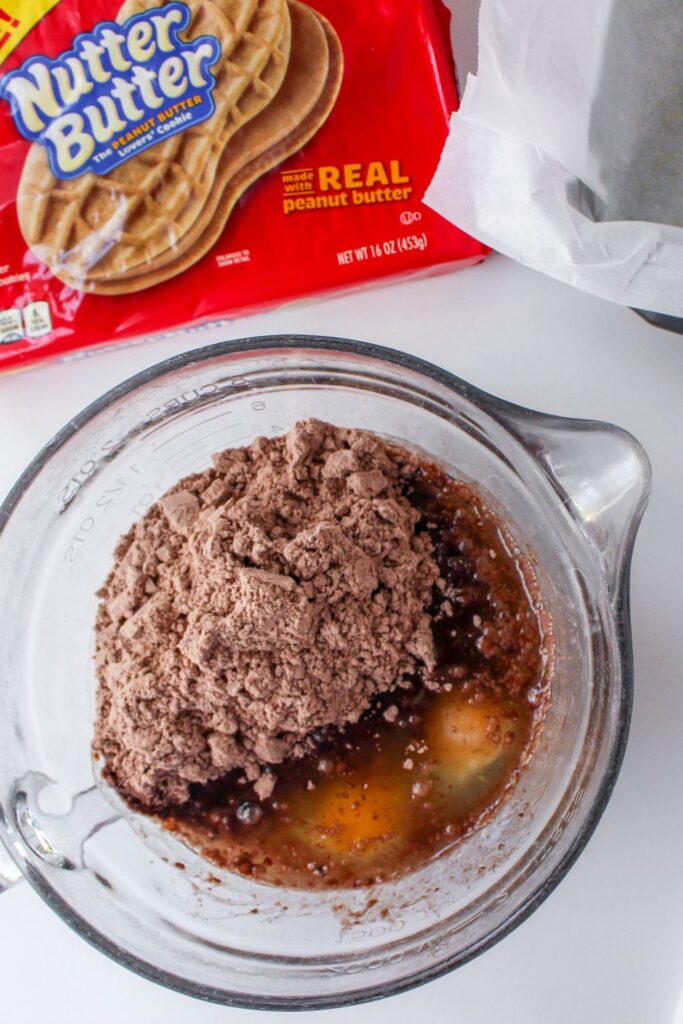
x=121, y=89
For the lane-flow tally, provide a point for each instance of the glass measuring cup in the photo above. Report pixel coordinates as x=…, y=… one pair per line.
x=572, y=493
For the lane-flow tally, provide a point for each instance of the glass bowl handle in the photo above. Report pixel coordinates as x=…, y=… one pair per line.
x=9, y=872
x=602, y=474
x=56, y=837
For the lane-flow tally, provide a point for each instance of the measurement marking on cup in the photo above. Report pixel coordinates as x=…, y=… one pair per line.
x=193, y=426
x=143, y=503
x=198, y=441
x=107, y=497
x=79, y=538
x=159, y=414
x=188, y=458
x=180, y=457
x=84, y=473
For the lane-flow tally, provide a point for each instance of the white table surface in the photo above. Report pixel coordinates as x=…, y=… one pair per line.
x=607, y=946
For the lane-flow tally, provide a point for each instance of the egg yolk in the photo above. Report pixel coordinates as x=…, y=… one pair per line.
x=468, y=737
x=347, y=816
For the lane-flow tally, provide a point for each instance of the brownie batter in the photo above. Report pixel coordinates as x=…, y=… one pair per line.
x=427, y=762
x=276, y=593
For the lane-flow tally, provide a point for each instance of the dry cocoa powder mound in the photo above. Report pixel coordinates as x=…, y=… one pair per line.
x=273, y=594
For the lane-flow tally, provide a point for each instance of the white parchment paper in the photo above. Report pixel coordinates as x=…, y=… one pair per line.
x=567, y=152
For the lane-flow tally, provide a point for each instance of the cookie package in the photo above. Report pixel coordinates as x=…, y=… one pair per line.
x=165, y=164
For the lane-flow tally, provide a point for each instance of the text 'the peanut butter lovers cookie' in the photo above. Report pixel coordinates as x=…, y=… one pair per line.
x=170, y=162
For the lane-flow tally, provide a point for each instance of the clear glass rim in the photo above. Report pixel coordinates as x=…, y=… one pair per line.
x=498, y=409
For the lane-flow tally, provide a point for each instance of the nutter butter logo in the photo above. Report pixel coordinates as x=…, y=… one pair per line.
x=121, y=89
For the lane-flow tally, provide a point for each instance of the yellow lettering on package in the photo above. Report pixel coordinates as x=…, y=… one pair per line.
x=38, y=100
x=73, y=145
x=73, y=83
x=17, y=18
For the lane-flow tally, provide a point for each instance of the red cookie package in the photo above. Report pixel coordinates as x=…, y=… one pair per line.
x=170, y=163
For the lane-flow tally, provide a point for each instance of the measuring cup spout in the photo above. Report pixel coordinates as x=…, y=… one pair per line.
x=603, y=475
